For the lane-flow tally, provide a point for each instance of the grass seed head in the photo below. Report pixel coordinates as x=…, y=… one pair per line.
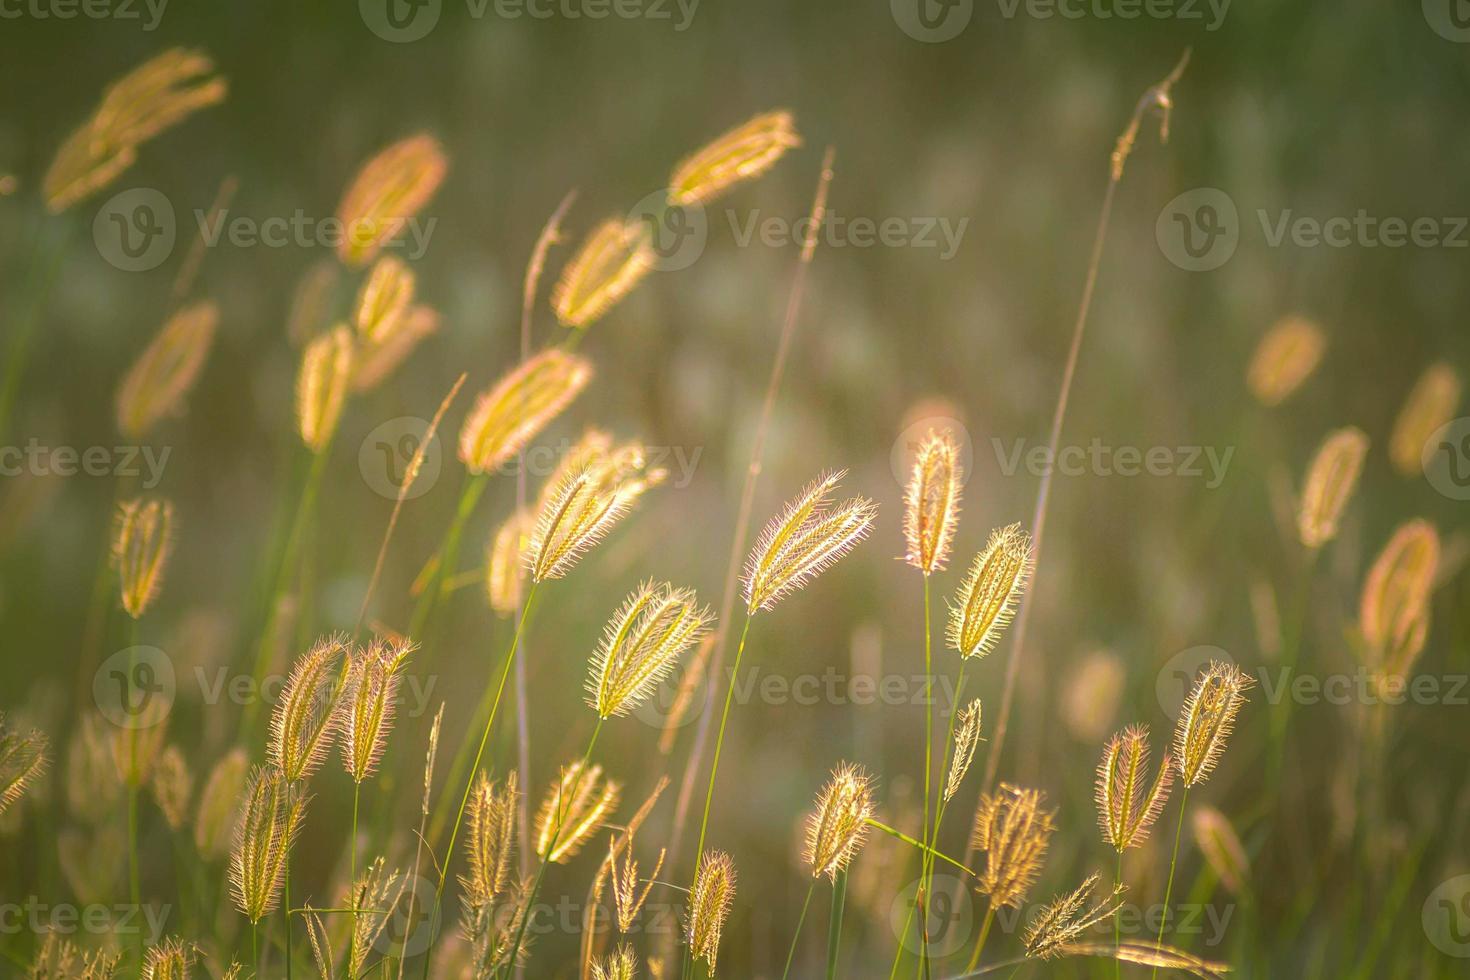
x=614, y=258
x=966, y=740
x=1014, y=830
x=387, y=193
x=1286, y=356
x=309, y=709
x=1221, y=847
x=61, y=959
x=991, y=592
x=142, y=541
x=368, y=703
x=743, y=153
x=621, y=964
x=519, y=406
x=23, y=760
x=1398, y=586
x=932, y=502
x=1128, y=803
x=1207, y=720
x=641, y=645
x=173, y=959
x=1331, y=481
x=322, y=385
x=628, y=898
x=574, y=809
x=582, y=502
x=384, y=298
x=837, y=826
x=173, y=786
x=162, y=376
x=807, y=538
x=270, y=818
x=1068, y=917
x=505, y=563
x=1430, y=404
x=710, y=901
x=491, y=839
x=214, y=820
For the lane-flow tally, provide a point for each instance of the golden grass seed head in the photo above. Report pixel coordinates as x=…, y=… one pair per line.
x=620, y=964
x=155, y=96
x=1432, y=403
x=519, y=406
x=838, y=824
x=384, y=298
x=23, y=760
x=1207, y=719
x=214, y=820
x=613, y=259
x=387, y=192
x=173, y=959
x=710, y=901
x=641, y=645
x=807, y=538
x=92, y=783
x=1014, y=830
x=61, y=959
x=505, y=563
x=1405, y=645
x=375, y=361
x=1128, y=803
x=142, y=540
x=322, y=384
x=966, y=740
x=1331, y=481
x=270, y=817
x=743, y=153
x=628, y=898
x=573, y=810
x=368, y=702
x=1284, y=359
x=1221, y=848
x=1068, y=917
x=380, y=889
x=173, y=786
x=992, y=590
x=162, y=376
x=932, y=502
x=491, y=838
x=308, y=711
x=582, y=503
x=1399, y=584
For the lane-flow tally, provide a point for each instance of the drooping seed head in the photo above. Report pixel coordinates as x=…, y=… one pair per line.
x=1430, y=405
x=990, y=593
x=173, y=786
x=491, y=840
x=1014, y=831
x=388, y=192
x=383, y=300
x=142, y=540
x=1399, y=584
x=322, y=384
x=1286, y=356
x=270, y=817
x=1068, y=917
x=155, y=96
x=641, y=645
x=162, y=376
x=173, y=959
x=582, y=503
x=505, y=563
x=214, y=820
x=807, y=538
x=575, y=808
x=709, y=906
x=308, y=711
x=620, y=964
x=378, y=888
x=932, y=502
x=1128, y=803
x=1331, y=480
x=23, y=760
x=743, y=153
x=1221, y=847
x=966, y=739
x=628, y=898
x=375, y=361
x=614, y=258
x=519, y=406
x=1207, y=720
x=368, y=703
x=838, y=824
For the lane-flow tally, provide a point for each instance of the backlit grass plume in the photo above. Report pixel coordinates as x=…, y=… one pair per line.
x=1430, y=405
x=1398, y=586
x=1013, y=829
x=491, y=840
x=519, y=406
x=709, y=906
x=1285, y=357
x=641, y=645
x=505, y=565
x=620, y=964
x=387, y=192
x=582, y=504
x=322, y=385
x=966, y=740
x=383, y=300
x=60, y=959
x=214, y=820
x=155, y=96
x=368, y=702
x=992, y=589
x=269, y=821
x=22, y=761
x=1331, y=480
x=173, y=786
x=1128, y=802
x=614, y=258
x=173, y=959
x=743, y=153
x=575, y=807
x=628, y=898
x=932, y=502
x=808, y=537
x=1207, y=719
x=1223, y=851
x=1069, y=917
x=308, y=710
x=142, y=540
x=162, y=376
x=837, y=825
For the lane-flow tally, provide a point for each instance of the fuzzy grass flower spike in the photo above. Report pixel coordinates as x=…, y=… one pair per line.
x=1430, y=405
x=1014, y=830
x=811, y=535
x=1069, y=917
x=574, y=808
x=837, y=826
x=322, y=385
x=162, y=376
x=267, y=826
x=1128, y=802
x=308, y=712
x=22, y=761
x=1284, y=359
x=614, y=259
x=932, y=502
x=641, y=645
x=141, y=544
x=709, y=906
x=1207, y=720
x=990, y=593
x=368, y=702
x=743, y=153
x=582, y=504
x=1331, y=481
x=519, y=406
x=387, y=193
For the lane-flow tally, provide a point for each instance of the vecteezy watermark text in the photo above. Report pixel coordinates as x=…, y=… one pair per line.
x=36, y=459
x=150, y=12
x=402, y=21
x=1099, y=459
x=37, y=917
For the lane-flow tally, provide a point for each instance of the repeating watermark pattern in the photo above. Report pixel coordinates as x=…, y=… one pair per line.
x=1446, y=917
x=949, y=921
x=1446, y=459
x=37, y=917
x=389, y=450
x=1198, y=230
x=36, y=458
x=1174, y=680
x=1207, y=463
x=1450, y=19
x=147, y=13
x=404, y=21
x=135, y=230
x=906, y=446
x=932, y=21
x=1210, y=13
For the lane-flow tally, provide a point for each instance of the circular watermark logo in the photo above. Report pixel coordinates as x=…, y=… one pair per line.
x=386, y=453
x=677, y=232
x=657, y=711
x=135, y=230
x=1450, y=19
x=950, y=919
x=135, y=688
x=409, y=930
x=1176, y=678
x=1199, y=229
x=1446, y=459
x=932, y=21
x=906, y=446
x=400, y=21
x=1446, y=917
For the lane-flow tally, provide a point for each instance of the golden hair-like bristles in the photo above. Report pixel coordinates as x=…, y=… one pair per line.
x=1207, y=720
x=321, y=386
x=580, y=506
x=932, y=502
x=22, y=761
x=141, y=543
x=270, y=817
x=628, y=898
x=388, y=191
x=375, y=361
x=837, y=825
x=1221, y=847
x=505, y=565
x=579, y=804
x=521, y=404
x=744, y=153
x=60, y=959
x=621, y=964
x=709, y=906
x=966, y=739
x=809, y=536
x=378, y=889
x=1151, y=954
x=1399, y=584
x=1331, y=480
x=309, y=709
x=987, y=599
x=1430, y=405
x=491, y=839
x=1286, y=356
x=383, y=300
x=216, y=814
x=159, y=380
x=1014, y=831
x=1068, y=917
x=641, y=645
x=173, y=786
x=173, y=959
x=155, y=96
x=368, y=704
x=1127, y=803
x=613, y=259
